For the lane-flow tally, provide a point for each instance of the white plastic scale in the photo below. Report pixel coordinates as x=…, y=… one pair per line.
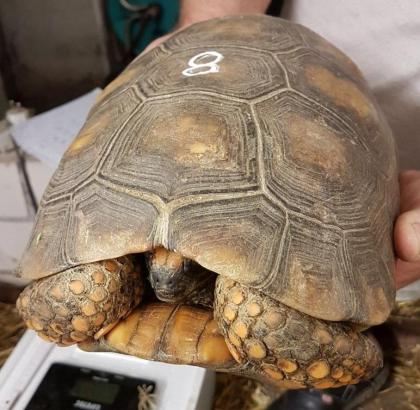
x=39, y=375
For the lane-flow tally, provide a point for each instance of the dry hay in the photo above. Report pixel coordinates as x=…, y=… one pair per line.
x=12, y=329
x=234, y=393
x=404, y=356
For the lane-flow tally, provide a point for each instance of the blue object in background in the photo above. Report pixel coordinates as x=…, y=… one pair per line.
x=132, y=29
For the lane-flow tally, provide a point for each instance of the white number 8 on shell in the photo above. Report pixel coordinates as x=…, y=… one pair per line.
x=197, y=68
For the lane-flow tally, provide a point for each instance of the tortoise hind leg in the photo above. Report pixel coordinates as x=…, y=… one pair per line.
x=81, y=302
x=291, y=348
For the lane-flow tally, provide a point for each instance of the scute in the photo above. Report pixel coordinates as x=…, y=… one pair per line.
x=313, y=160
x=283, y=178
x=244, y=31
x=348, y=97
x=183, y=146
x=242, y=73
x=240, y=237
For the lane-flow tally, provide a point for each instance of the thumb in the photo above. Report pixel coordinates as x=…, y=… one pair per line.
x=407, y=227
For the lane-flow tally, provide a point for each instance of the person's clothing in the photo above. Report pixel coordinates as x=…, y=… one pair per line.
x=383, y=38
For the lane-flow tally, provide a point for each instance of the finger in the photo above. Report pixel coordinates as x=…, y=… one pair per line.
x=410, y=190
x=406, y=273
x=407, y=227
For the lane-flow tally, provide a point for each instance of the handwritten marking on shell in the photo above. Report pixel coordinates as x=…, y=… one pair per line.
x=200, y=64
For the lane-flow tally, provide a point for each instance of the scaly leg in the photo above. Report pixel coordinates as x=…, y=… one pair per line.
x=291, y=348
x=251, y=335
x=81, y=302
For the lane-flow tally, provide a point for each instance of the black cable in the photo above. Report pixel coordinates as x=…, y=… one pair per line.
x=28, y=191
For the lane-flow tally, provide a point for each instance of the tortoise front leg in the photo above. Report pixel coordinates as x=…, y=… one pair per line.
x=291, y=348
x=81, y=302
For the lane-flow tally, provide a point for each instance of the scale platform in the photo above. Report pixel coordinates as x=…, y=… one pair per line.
x=38, y=375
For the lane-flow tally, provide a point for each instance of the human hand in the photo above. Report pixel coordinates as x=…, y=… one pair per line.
x=407, y=230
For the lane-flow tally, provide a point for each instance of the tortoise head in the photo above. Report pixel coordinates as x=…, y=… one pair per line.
x=172, y=277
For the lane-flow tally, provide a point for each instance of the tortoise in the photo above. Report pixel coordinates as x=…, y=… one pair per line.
x=229, y=203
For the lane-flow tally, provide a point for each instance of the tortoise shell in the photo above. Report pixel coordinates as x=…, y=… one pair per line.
x=248, y=144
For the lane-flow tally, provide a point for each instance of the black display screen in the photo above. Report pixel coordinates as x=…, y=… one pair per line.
x=66, y=387
x=100, y=392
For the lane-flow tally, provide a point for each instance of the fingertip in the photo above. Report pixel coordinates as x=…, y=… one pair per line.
x=407, y=236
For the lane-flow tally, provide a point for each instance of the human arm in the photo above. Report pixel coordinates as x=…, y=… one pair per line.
x=193, y=11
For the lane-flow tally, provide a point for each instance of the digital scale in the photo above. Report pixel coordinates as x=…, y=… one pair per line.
x=42, y=376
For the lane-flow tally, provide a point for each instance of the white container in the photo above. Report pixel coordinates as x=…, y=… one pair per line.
x=177, y=387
